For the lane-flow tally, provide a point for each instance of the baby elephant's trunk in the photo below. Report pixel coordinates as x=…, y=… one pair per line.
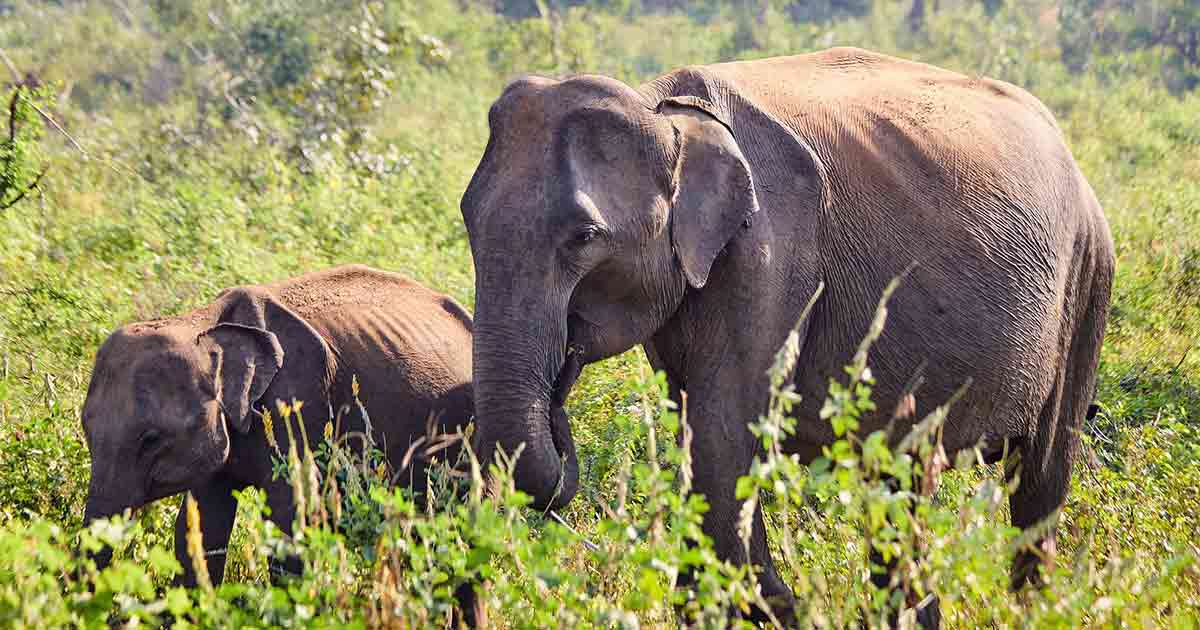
x=101, y=503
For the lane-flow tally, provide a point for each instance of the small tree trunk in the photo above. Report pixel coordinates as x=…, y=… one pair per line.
x=916, y=16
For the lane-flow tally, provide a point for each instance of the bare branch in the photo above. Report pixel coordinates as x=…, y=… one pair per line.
x=11, y=66
x=130, y=20
x=32, y=186
x=1181, y=360
x=586, y=543
x=12, y=116
x=57, y=126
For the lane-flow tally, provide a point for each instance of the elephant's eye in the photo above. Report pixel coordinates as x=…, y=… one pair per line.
x=586, y=235
x=150, y=439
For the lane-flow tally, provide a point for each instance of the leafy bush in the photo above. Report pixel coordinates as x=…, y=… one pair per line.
x=373, y=556
x=1167, y=31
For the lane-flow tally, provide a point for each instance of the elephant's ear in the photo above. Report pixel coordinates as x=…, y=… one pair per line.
x=712, y=191
x=249, y=359
x=308, y=372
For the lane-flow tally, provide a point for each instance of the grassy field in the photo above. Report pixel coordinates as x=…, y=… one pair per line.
x=224, y=142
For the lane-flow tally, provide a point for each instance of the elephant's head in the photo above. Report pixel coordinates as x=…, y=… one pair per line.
x=162, y=404
x=591, y=213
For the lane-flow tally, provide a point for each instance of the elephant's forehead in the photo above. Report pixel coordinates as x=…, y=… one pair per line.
x=134, y=343
x=143, y=357
x=524, y=185
x=523, y=116
x=531, y=110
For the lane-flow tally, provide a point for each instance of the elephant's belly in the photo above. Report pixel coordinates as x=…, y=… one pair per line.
x=1004, y=364
x=986, y=413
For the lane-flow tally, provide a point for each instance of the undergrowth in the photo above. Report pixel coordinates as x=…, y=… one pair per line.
x=375, y=556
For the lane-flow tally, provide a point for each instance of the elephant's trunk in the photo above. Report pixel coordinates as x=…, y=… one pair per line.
x=92, y=512
x=102, y=504
x=522, y=375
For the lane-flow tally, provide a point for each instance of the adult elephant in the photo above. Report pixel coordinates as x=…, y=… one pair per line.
x=697, y=214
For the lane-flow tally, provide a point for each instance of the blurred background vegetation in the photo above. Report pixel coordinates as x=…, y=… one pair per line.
x=177, y=148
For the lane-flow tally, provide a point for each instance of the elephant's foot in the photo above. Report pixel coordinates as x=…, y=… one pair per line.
x=783, y=610
x=470, y=612
x=281, y=569
x=925, y=614
x=776, y=595
x=779, y=599
x=929, y=614
x=1027, y=565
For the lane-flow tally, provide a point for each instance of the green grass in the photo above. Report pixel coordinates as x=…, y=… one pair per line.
x=182, y=194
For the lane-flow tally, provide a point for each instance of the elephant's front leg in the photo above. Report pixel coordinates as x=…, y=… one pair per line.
x=282, y=504
x=217, y=508
x=722, y=450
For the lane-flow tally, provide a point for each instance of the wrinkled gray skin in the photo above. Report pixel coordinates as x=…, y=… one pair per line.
x=697, y=214
x=173, y=403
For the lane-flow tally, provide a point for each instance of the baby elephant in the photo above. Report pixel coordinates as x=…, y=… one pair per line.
x=174, y=404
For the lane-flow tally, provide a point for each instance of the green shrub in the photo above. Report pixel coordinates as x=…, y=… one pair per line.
x=373, y=556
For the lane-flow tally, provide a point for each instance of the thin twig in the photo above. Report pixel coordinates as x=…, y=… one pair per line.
x=12, y=116
x=586, y=543
x=1181, y=360
x=55, y=124
x=11, y=66
x=32, y=186
x=130, y=20
x=51, y=395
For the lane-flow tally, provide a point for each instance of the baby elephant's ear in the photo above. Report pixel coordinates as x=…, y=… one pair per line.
x=249, y=359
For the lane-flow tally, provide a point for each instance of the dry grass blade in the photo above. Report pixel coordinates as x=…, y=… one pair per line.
x=406, y=461
x=12, y=67
x=583, y=539
x=54, y=123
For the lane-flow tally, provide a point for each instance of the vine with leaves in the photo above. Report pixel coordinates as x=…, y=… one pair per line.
x=19, y=155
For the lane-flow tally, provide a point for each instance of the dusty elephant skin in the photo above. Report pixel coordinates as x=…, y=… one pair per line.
x=172, y=403
x=698, y=213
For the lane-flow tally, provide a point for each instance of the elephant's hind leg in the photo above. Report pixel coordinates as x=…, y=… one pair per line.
x=1042, y=469
x=1041, y=490
x=1047, y=456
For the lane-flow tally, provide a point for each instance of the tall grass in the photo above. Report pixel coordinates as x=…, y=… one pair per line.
x=376, y=556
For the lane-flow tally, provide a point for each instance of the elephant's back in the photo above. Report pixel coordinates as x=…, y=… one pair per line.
x=967, y=177
x=408, y=347
x=348, y=287
x=944, y=149
x=841, y=81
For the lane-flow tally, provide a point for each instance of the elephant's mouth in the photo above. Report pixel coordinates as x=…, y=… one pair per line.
x=567, y=375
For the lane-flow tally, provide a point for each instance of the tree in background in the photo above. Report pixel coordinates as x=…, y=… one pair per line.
x=827, y=10
x=1164, y=31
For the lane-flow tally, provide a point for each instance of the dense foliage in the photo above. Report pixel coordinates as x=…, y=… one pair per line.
x=223, y=142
